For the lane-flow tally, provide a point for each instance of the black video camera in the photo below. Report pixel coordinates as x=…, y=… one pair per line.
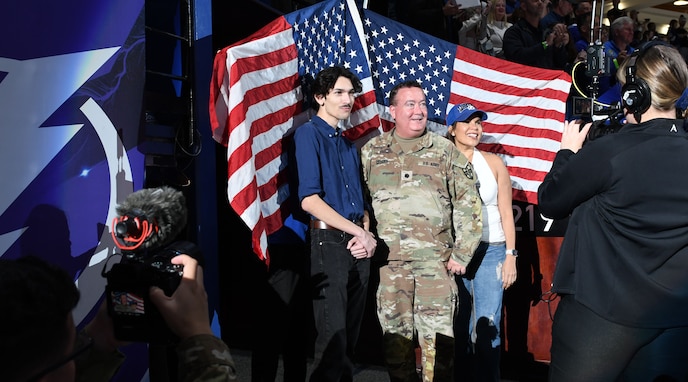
x=134, y=316
x=610, y=125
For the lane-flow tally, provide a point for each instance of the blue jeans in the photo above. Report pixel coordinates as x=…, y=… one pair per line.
x=587, y=347
x=485, y=289
x=477, y=323
x=340, y=288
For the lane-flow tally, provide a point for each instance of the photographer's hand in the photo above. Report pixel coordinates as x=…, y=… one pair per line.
x=573, y=136
x=186, y=311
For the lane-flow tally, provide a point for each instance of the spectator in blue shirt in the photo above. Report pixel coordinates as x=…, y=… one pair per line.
x=329, y=175
x=582, y=28
x=559, y=14
x=617, y=49
x=575, y=30
x=513, y=8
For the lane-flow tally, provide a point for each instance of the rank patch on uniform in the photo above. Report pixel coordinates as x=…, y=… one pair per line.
x=468, y=171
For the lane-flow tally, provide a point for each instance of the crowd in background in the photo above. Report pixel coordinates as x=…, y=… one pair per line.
x=551, y=34
x=449, y=20
x=482, y=27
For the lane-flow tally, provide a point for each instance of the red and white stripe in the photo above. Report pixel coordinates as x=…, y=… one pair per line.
x=526, y=109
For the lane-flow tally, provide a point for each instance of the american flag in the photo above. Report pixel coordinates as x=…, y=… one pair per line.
x=259, y=89
x=525, y=105
x=258, y=96
x=128, y=303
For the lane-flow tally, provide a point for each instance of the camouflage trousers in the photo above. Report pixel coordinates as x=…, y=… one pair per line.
x=417, y=299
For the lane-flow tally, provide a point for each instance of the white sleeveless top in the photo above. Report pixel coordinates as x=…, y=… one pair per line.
x=487, y=186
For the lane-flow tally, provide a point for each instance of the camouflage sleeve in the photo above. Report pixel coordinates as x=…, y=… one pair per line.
x=205, y=358
x=466, y=208
x=367, y=200
x=94, y=365
x=365, y=168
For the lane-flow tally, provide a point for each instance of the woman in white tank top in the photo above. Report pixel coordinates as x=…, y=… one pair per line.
x=493, y=267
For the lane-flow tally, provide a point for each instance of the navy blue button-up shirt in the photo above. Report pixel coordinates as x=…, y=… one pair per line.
x=328, y=165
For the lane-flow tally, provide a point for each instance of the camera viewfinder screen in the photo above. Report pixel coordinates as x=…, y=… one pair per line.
x=127, y=303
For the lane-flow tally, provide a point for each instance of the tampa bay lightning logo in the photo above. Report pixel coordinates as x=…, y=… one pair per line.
x=66, y=158
x=64, y=162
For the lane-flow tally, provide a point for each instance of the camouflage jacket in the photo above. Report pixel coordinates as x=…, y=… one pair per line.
x=425, y=202
x=202, y=358
x=205, y=358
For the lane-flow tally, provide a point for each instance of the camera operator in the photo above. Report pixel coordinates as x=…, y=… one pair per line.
x=621, y=271
x=39, y=341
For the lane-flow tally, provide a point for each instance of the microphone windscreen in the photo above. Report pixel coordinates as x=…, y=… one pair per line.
x=163, y=207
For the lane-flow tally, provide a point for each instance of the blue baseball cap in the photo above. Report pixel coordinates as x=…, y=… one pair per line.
x=462, y=112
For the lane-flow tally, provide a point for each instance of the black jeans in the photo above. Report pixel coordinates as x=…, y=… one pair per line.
x=340, y=285
x=589, y=348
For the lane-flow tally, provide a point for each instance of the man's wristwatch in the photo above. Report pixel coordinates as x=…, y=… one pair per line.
x=512, y=252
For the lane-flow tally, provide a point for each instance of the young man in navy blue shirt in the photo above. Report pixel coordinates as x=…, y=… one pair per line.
x=329, y=189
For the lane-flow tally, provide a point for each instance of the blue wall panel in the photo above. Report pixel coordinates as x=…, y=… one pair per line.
x=71, y=88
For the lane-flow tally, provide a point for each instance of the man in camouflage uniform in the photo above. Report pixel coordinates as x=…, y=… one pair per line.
x=428, y=213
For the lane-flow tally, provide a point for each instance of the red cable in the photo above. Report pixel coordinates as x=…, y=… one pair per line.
x=131, y=243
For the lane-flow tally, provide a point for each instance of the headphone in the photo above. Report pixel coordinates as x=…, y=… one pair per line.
x=635, y=94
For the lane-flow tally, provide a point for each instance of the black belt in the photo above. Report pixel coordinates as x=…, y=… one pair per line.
x=319, y=224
